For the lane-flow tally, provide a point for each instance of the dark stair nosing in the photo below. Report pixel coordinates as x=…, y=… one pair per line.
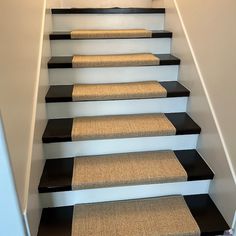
x=66, y=61
x=59, y=130
x=63, y=93
x=57, y=173
x=115, y=10
x=58, y=221
x=67, y=36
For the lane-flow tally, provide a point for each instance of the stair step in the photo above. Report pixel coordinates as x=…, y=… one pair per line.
x=115, y=10
x=59, y=221
x=183, y=165
x=101, y=92
x=94, y=128
x=161, y=59
x=67, y=35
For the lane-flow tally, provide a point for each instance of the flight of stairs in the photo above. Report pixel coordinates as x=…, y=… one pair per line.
x=120, y=132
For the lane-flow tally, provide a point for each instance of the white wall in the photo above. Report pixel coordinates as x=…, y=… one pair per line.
x=157, y=3
x=21, y=23
x=11, y=218
x=204, y=67
x=38, y=158
x=210, y=25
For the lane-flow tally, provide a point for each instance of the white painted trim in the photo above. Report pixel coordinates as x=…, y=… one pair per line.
x=118, y=107
x=108, y=146
x=206, y=93
x=68, y=198
x=110, y=46
x=68, y=22
x=11, y=218
x=113, y=74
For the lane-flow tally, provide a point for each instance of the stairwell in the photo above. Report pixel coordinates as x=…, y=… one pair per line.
x=120, y=147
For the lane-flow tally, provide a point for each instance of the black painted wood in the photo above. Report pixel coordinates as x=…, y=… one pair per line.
x=60, y=62
x=194, y=165
x=175, y=89
x=206, y=214
x=59, y=93
x=183, y=123
x=115, y=10
x=168, y=59
x=63, y=93
x=58, y=130
x=56, y=221
x=57, y=175
x=67, y=35
x=66, y=62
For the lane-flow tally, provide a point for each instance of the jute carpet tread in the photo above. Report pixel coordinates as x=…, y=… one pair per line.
x=115, y=60
x=127, y=169
x=149, y=89
x=108, y=34
x=121, y=126
x=166, y=216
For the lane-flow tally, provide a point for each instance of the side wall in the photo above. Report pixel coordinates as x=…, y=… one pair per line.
x=205, y=101
x=21, y=24
x=38, y=159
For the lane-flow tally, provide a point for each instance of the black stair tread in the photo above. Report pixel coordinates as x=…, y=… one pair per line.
x=115, y=10
x=58, y=221
x=63, y=93
x=206, y=214
x=59, y=130
x=57, y=173
x=66, y=61
x=67, y=35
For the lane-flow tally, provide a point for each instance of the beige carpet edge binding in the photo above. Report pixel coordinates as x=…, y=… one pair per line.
x=114, y=170
x=157, y=216
x=111, y=34
x=134, y=90
x=116, y=60
x=121, y=126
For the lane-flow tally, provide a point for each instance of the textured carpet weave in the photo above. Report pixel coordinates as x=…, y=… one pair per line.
x=116, y=60
x=109, y=34
x=115, y=170
x=87, y=92
x=166, y=216
x=121, y=126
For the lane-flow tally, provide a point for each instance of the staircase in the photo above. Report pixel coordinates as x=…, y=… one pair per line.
x=120, y=147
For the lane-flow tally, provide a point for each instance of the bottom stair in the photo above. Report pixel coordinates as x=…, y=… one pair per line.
x=171, y=215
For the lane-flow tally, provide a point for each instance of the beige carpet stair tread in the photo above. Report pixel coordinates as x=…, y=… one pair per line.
x=87, y=92
x=127, y=169
x=116, y=60
x=109, y=34
x=122, y=126
x=166, y=216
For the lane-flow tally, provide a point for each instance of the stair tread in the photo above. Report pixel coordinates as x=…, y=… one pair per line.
x=58, y=221
x=66, y=61
x=67, y=35
x=115, y=10
x=60, y=130
x=58, y=173
x=63, y=93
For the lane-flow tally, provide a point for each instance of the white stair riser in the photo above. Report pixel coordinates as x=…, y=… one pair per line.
x=109, y=146
x=68, y=22
x=123, y=193
x=110, y=46
x=113, y=75
x=119, y=107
